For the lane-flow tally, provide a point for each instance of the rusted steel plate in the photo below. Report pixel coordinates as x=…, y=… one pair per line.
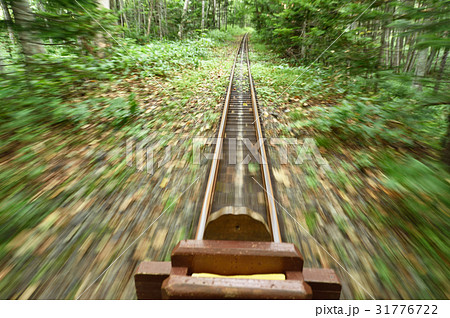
x=149, y=277
x=187, y=287
x=236, y=257
x=158, y=280
x=324, y=283
x=237, y=224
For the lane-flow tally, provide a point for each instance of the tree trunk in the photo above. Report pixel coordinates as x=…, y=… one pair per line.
x=207, y=22
x=160, y=19
x=226, y=14
x=123, y=13
x=399, y=53
x=407, y=54
x=24, y=18
x=139, y=17
x=166, y=30
x=99, y=38
x=441, y=70
x=183, y=19
x=391, y=49
x=219, y=15
x=446, y=150
x=150, y=15
x=421, y=66
x=8, y=20
x=436, y=62
x=214, y=13
x=303, y=34
x=258, y=16
x=380, y=60
x=202, y=27
x=411, y=54
x=430, y=61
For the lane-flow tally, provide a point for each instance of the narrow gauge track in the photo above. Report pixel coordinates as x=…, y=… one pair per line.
x=237, y=252
x=239, y=202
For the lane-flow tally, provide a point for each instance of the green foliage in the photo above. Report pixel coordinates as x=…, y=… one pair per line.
x=422, y=201
x=67, y=21
x=159, y=57
x=220, y=36
x=118, y=111
x=37, y=98
x=374, y=122
x=302, y=30
x=296, y=115
x=423, y=183
x=394, y=116
x=223, y=36
x=59, y=92
x=42, y=97
x=356, y=121
x=133, y=104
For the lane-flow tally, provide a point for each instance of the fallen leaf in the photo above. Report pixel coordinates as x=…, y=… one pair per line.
x=164, y=183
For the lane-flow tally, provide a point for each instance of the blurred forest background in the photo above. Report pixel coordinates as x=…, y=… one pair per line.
x=369, y=80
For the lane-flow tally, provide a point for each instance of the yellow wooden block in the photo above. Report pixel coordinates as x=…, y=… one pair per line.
x=256, y=276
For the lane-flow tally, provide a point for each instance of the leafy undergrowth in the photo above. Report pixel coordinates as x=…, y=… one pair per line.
x=154, y=91
x=382, y=211
x=63, y=159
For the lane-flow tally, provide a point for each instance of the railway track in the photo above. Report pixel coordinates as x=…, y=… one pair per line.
x=238, y=252
x=239, y=202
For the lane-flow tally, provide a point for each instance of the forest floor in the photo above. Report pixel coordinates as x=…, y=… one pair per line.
x=349, y=217
x=98, y=208
x=100, y=212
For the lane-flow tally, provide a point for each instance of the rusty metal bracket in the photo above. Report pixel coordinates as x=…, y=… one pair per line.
x=173, y=280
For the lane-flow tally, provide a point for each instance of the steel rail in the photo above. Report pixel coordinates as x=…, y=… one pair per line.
x=271, y=206
x=210, y=187
x=209, y=192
